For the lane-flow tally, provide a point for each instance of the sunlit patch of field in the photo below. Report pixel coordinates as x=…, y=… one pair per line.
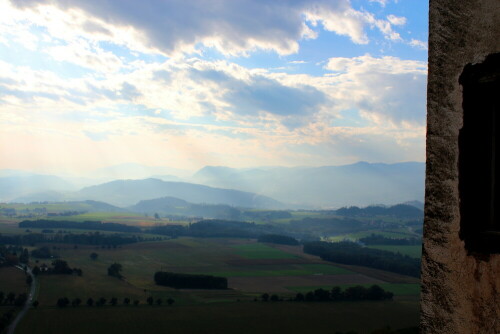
x=261, y=251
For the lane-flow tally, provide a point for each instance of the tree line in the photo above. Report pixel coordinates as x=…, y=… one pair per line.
x=403, y=211
x=189, y=281
x=354, y=293
x=90, y=238
x=75, y=302
x=278, y=239
x=377, y=239
x=14, y=300
x=86, y=225
x=352, y=253
x=215, y=228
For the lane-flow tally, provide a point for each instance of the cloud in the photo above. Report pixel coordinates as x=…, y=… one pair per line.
x=260, y=94
x=396, y=20
x=233, y=27
x=418, y=44
x=384, y=89
x=380, y=2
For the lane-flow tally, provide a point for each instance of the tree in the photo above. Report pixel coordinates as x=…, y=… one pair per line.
x=159, y=301
x=10, y=297
x=265, y=297
x=113, y=301
x=126, y=301
x=114, y=270
x=21, y=299
x=61, y=267
x=309, y=296
x=76, y=302
x=170, y=301
x=299, y=297
x=157, y=216
x=274, y=298
x=102, y=301
x=25, y=256
x=93, y=256
x=62, y=302
x=336, y=293
x=136, y=302
x=90, y=302
x=150, y=300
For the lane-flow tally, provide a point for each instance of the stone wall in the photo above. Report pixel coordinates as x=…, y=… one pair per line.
x=460, y=291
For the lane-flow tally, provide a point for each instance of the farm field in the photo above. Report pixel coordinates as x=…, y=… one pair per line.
x=236, y=317
x=12, y=280
x=259, y=268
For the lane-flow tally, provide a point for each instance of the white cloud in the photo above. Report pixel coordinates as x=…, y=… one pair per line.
x=384, y=89
x=418, y=44
x=173, y=28
x=396, y=20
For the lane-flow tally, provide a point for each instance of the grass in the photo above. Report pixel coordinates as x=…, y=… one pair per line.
x=261, y=251
x=242, y=317
x=183, y=255
x=410, y=250
x=296, y=270
x=396, y=289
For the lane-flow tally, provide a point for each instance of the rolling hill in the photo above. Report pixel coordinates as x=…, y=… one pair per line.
x=359, y=184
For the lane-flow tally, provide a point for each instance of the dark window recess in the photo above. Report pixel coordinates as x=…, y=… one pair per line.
x=479, y=157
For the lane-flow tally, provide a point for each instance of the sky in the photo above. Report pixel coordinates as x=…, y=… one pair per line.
x=86, y=84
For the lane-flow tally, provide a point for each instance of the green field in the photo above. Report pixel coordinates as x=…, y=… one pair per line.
x=410, y=250
x=237, y=317
x=292, y=270
x=396, y=289
x=261, y=251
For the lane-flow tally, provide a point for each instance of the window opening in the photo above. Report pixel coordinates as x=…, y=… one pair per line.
x=479, y=156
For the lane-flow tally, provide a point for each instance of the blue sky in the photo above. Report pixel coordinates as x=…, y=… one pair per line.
x=86, y=84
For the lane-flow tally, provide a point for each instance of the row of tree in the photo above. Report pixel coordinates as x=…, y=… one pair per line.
x=75, y=302
x=86, y=225
x=216, y=228
x=278, y=239
x=12, y=299
x=59, y=267
x=91, y=238
x=378, y=239
x=354, y=293
x=352, y=253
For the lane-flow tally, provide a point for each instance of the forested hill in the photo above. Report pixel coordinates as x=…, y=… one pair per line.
x=359, y=184
x=129, y=192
